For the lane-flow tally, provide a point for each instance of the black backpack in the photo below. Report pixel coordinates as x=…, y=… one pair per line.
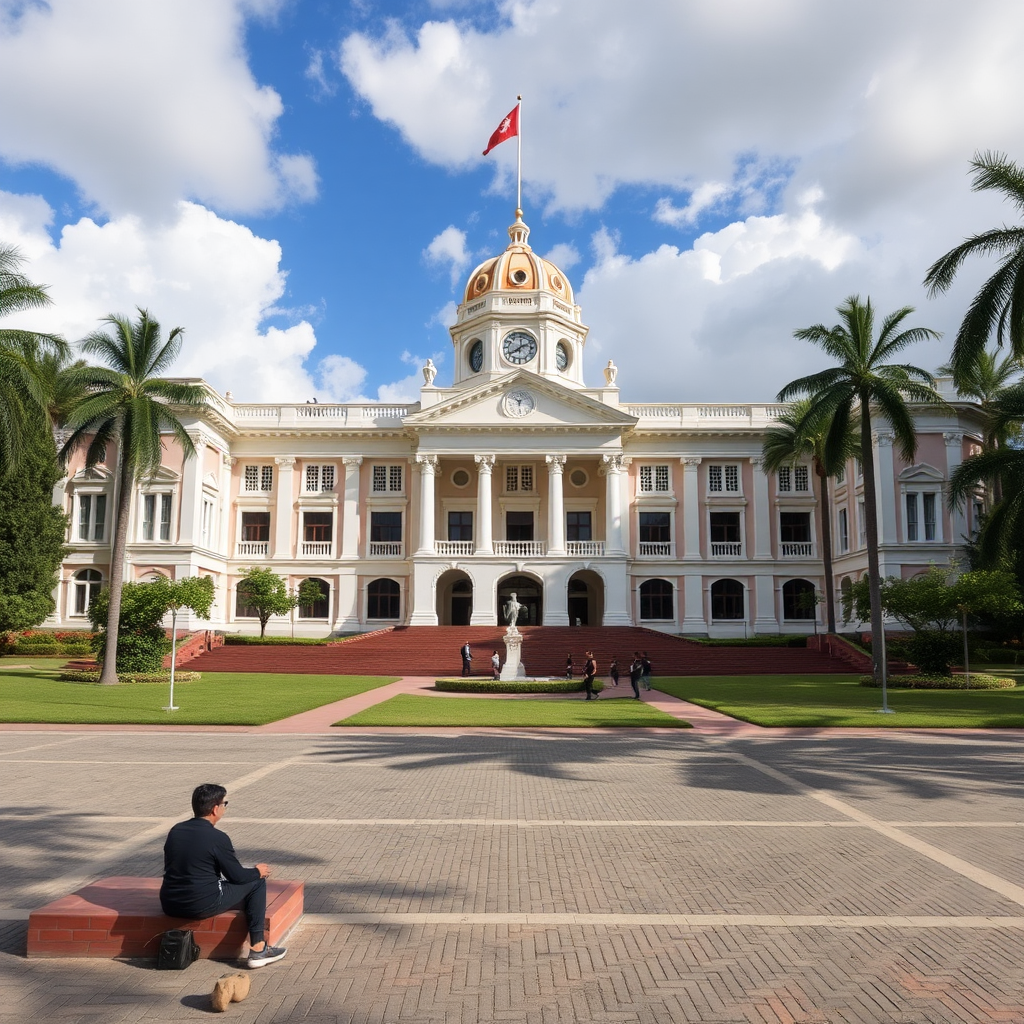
x=178, y=950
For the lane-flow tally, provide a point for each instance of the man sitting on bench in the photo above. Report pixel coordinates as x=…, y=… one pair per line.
x=196, y=855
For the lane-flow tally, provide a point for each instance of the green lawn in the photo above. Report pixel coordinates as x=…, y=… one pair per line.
x=219, y=698
x=840, y=700
x=576, y=713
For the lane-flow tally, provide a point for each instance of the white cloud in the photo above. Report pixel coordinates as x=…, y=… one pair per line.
x=316, y=73
x=341, y=378
x=448, y=249
x=702, y=198
x=141, y=104
x=564, y=255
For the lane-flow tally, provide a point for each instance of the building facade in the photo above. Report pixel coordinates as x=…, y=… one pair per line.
x=519, y=477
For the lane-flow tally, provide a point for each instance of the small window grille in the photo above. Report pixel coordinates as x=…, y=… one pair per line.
x=380, y=478
x=732, y=478
x=327, y=477
x=394, y=478
x=252, y=478
x=801, y=478
x=266, y=478
x=312, y=478
x=714, y=478
x=785, y=479
x=646, y=478
x=661, y=478
x=511, y=478
x=526, y=478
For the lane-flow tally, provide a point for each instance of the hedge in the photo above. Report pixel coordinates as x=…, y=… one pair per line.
x=132, y=677
x=244, y=640
x=754, y=641
x=979, y=681
x=37, y=650
x=513, y=685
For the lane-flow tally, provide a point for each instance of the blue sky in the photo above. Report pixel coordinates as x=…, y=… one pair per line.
x=299, y=183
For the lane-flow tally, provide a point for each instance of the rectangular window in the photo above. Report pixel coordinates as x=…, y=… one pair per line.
x=785, y=479
x=84, y=516
x=843, y=531
x=148, y=515
x=795, y=527
x=646, y=478
x=732, y=478
x=327, y=477
x=318, y=526
x=714, y=478
x=258, y=478
x=661, y=478
x=929, y=516
x=862, y=526
x=101, y=517
x=841, y=476
x=207, y=531
x=519, y=478
x=655, y=527
x=912, y=517
x=577, y=526
x=395, y=479
x=801, y=478
x=319, y=478
x=256, y=526
x=266, y=478
x=654, y=478
x=460, y=525
x=252, y=478
x=386, y=526
x=725, y=527
x=519, y=526
x=860, y=470
x=165, y=517
x=380, y=478
x=312, y=478
x=383, y=479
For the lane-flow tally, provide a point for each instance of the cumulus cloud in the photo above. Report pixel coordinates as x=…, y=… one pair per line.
x=448, y=250
x=142, y=104
x=564, y=255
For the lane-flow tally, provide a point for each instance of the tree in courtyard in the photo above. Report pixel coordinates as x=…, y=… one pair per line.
x=129, y=404
x=799, y=436
x=998, y=306
x=863, y=381
x=267, y=594
x=21, y=391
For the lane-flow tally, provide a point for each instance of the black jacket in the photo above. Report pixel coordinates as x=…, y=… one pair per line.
x=196, y=856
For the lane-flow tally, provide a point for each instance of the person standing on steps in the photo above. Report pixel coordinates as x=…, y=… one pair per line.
x=495, y=665
x=613, y=671
x=635, y=668
x=467, y=659
x=589, y=674
x=645, y=671
x=568, y=666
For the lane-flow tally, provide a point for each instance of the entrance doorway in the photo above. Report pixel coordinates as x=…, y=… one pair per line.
x=529, y=593
x=585, y=599
x=454, y=599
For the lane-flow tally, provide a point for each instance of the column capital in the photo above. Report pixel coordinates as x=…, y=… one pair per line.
x=427, y=463
x=198, y=438
x=228, y=460
x=953, y=440
x=352, y=460
x=556, y=463
x=883, y=438
x=285, y=461
x=613, y=463
x=691, y=460
x=485, y=462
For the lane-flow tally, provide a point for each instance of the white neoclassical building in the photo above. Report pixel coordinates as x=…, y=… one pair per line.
x=518, y=477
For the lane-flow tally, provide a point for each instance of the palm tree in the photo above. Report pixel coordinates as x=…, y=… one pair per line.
x=20, y=386
x=130, y=404
x=800, y=435
x=999, y=305
x=864, y=381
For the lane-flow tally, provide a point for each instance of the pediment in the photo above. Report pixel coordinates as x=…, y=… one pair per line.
x=93, y=475
x=550, y=405
x=921, y=473
x=163, y=475
x=210, y=482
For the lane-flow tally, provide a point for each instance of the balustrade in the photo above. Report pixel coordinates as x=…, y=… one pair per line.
x=519, y=548
x=656, y=549
x=253, y=548
x=797, y=549
x=316, y=548
x=584, y=548
x=386, y=549
x=453, y=547
x=726, y=549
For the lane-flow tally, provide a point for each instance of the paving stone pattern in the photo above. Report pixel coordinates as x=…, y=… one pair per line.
x=788, y=841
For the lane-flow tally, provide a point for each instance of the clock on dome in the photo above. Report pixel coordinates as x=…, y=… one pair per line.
x=519, y=347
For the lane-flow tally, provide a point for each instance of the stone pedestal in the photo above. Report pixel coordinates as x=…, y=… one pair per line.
x=513, y=667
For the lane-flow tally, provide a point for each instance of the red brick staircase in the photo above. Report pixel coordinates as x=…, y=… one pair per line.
x=434, y=651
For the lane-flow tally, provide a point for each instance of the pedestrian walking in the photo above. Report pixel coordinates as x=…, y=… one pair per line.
x=467, y=659
x=613, y=671
x=568, y=667
x=589, y=674
x=495, y=666
x=645, y=671
x=635, y=668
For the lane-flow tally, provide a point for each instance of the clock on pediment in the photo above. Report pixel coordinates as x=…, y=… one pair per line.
x=519, y=347
x=518, y=404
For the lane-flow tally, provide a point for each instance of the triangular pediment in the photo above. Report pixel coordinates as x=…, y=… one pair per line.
x=92, y=475
x=518, y=401
x=921, y=473
x=163, y=475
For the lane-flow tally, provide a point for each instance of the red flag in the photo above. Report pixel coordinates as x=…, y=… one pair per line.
x=508, y=129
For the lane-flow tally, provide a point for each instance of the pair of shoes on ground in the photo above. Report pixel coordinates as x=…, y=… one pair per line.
x=267, y=955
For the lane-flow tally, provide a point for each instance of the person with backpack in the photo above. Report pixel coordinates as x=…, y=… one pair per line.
x=589, y=674
x=645, y=671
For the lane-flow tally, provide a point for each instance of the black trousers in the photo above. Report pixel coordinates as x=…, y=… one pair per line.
x=588, y=685
x=251, y=896
x=635, y=683
x=466, y=667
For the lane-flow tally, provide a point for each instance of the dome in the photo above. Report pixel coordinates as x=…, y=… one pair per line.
x=518, y=269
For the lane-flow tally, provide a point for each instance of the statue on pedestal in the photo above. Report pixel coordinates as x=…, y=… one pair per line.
x=512, y=610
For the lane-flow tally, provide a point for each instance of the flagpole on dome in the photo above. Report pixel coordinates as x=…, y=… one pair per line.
x=519, y=155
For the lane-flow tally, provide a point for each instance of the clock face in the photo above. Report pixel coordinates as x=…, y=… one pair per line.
x=561, y=355
x=476, y=356
x=518, y=404
x=519, y=347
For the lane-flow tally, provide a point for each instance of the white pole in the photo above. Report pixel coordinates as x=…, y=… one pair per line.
x=519, y=157
x=174, y=653
x=967, y=665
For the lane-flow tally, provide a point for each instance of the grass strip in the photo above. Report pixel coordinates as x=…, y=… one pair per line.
x=219, y=698
x=414, y=710
x=829, y=701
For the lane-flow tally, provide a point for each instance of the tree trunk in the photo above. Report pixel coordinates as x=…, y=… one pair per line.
x=826, y=546
x=264, y=619
x=871, y=536
x=108, y=674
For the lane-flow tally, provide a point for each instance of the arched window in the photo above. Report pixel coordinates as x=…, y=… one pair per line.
x=656, y=600
x=798, y=600
x=87, y=586
x=319, y=608
x=727, y=599
x=382, y=599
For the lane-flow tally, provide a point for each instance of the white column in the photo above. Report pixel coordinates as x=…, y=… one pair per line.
x=556, y=505
x=228, y=541
x=617, y=605
x=350, y=509
x=624, y=517
x=283, y=508
x=484, y=541
x=613, y=504
x=762, y=514
x=691, y=525
x=191, y=494
x=958, y=517
x=428, y=467
x=346, y=605
x=424, y=610
x=693, y=620
x=765, y=615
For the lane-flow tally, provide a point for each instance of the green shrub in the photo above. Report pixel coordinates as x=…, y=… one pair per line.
x=132, y=677
x=514, y=685
x=36, y=650
x=753, y=641
x=933, y=651
x=76, y=650
x=979, y=681
x=240, y=639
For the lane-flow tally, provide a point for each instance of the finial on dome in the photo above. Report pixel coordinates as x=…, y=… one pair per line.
x=518, y=233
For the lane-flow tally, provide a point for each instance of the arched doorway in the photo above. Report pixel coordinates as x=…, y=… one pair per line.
x=585, y=598
x=454, y=598
x=529, y=593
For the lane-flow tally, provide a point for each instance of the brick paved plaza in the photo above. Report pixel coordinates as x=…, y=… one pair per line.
x=541, y=877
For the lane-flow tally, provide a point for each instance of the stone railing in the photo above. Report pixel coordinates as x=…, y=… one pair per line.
x=706, y=417
x=726, y=549
x=519, y=548
x=453, y=547
x=312, y=415
x=385, y=549
x=315, y=548
x=584, y=548
x=797, y=549
x=253, y=548
x=656, y=549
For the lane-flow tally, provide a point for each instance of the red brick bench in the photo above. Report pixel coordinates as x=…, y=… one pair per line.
x=122, y=917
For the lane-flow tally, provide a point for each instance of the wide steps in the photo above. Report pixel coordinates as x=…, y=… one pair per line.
x=434, y=650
